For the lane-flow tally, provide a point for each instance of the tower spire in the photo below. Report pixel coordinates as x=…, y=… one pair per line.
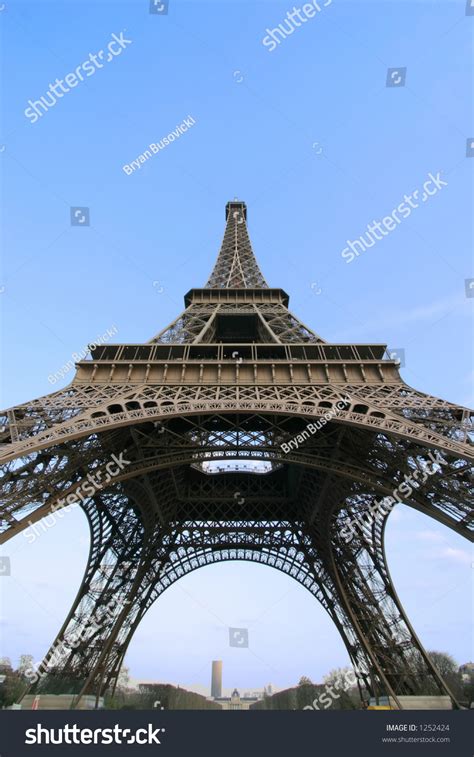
x=236, y=266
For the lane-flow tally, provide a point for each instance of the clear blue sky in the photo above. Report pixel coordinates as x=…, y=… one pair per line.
x=262, y=119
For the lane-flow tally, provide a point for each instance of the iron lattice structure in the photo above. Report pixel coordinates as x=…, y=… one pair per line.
x=203, y=413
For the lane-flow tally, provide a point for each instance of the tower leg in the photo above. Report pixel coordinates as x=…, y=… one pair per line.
x=400, y=665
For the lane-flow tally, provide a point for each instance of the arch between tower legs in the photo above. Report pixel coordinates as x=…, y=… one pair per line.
x=115, y=596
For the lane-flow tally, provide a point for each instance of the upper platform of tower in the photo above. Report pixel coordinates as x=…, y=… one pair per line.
x=238, y=317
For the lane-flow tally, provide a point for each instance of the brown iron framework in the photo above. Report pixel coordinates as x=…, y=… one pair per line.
x=201, y=413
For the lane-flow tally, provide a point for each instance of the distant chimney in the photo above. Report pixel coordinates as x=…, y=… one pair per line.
x=216, y=681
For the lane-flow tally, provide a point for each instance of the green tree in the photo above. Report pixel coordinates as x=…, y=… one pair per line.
x=444, y=662
x=27, y=661
x=5, y=664
x=123, y=678
x=13, y=685
x=449, y=670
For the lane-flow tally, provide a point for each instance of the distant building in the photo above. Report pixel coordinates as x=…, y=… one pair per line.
x=254, y=694
x=467, y=672
x=267, y=691
x=236, y=702
x=216, y=679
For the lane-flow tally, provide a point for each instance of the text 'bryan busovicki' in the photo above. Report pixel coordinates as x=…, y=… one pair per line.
x=155, y=147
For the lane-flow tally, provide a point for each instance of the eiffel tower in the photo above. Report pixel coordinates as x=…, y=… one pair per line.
x=240, y=434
